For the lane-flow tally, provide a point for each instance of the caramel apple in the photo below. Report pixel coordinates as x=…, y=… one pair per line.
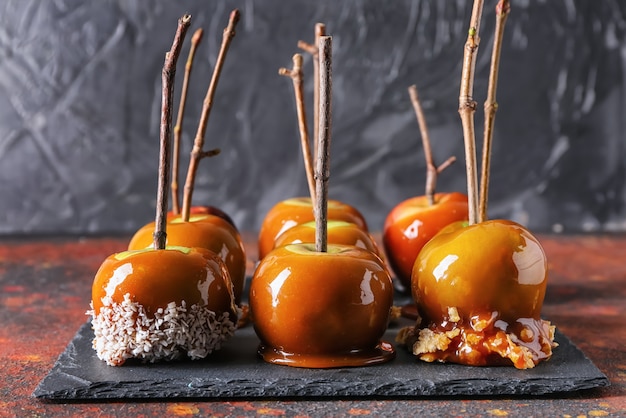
x=140, y=299
x=479, y=286
x=291, y=212
x=412, y=223
x=321, y=309
x=479, y=291
x=321, y=305
x=339, y=232
x=207, y=231
x=162, y=303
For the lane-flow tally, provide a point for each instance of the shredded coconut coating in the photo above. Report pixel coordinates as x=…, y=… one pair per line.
x=124, y=330
x=481, y=344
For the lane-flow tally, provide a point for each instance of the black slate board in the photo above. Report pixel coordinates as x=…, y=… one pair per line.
x=236, y=372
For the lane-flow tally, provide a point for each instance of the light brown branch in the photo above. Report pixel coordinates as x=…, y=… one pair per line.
x=167, y=91
x=320, y=30
x=178, y=128
x=432, y=172
x=467, y=108
x=296, y=76
x=322, y=169
x=503, y=8
x=196, y=152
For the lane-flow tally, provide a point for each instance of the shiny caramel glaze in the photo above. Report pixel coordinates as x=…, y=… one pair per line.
x=412, y=223
x=339, y=232
x=480, y=290
x=155, y=278
x=291, y=212
x=207, y=231
x=321, y=310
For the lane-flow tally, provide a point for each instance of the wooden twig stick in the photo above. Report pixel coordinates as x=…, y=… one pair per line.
x=322, y=169
x=198, y=145
x=467, y=108
x=503, y=8
x=178, y=128
x=296, y=76
x=320, y=30
x=431, y=170
x=167, y=76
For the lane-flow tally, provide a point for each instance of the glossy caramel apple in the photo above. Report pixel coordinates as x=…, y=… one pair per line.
x=479, y=291
x=291, y=212
x=322, y=309
x=207, y=231
x=339, y=232
x=140, y=299
x=412, y=223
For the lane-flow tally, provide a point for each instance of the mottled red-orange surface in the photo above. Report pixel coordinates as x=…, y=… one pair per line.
x=45, y=288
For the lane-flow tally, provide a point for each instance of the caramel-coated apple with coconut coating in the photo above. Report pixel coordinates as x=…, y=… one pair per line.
x=164, y=304
x=479, y=290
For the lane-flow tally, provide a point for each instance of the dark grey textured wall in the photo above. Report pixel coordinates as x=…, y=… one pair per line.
x=80, y=94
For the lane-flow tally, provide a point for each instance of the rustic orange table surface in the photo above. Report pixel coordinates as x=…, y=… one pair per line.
x=45, y=288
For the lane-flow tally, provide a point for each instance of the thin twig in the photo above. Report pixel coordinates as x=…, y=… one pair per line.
x=196, y=152
x=432, y=171
x=503, y=8
x=322, y=169
x=296, y=76
x=167, y=76
x=320, y=30
x=178, y=129
x=467, y=108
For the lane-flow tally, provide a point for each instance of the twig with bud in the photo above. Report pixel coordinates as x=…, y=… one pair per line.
x=467, y=108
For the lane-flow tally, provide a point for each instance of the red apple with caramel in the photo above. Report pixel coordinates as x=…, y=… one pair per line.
x=291, y=212
x=206, y=231
x=322, y=309
x=412, y=223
